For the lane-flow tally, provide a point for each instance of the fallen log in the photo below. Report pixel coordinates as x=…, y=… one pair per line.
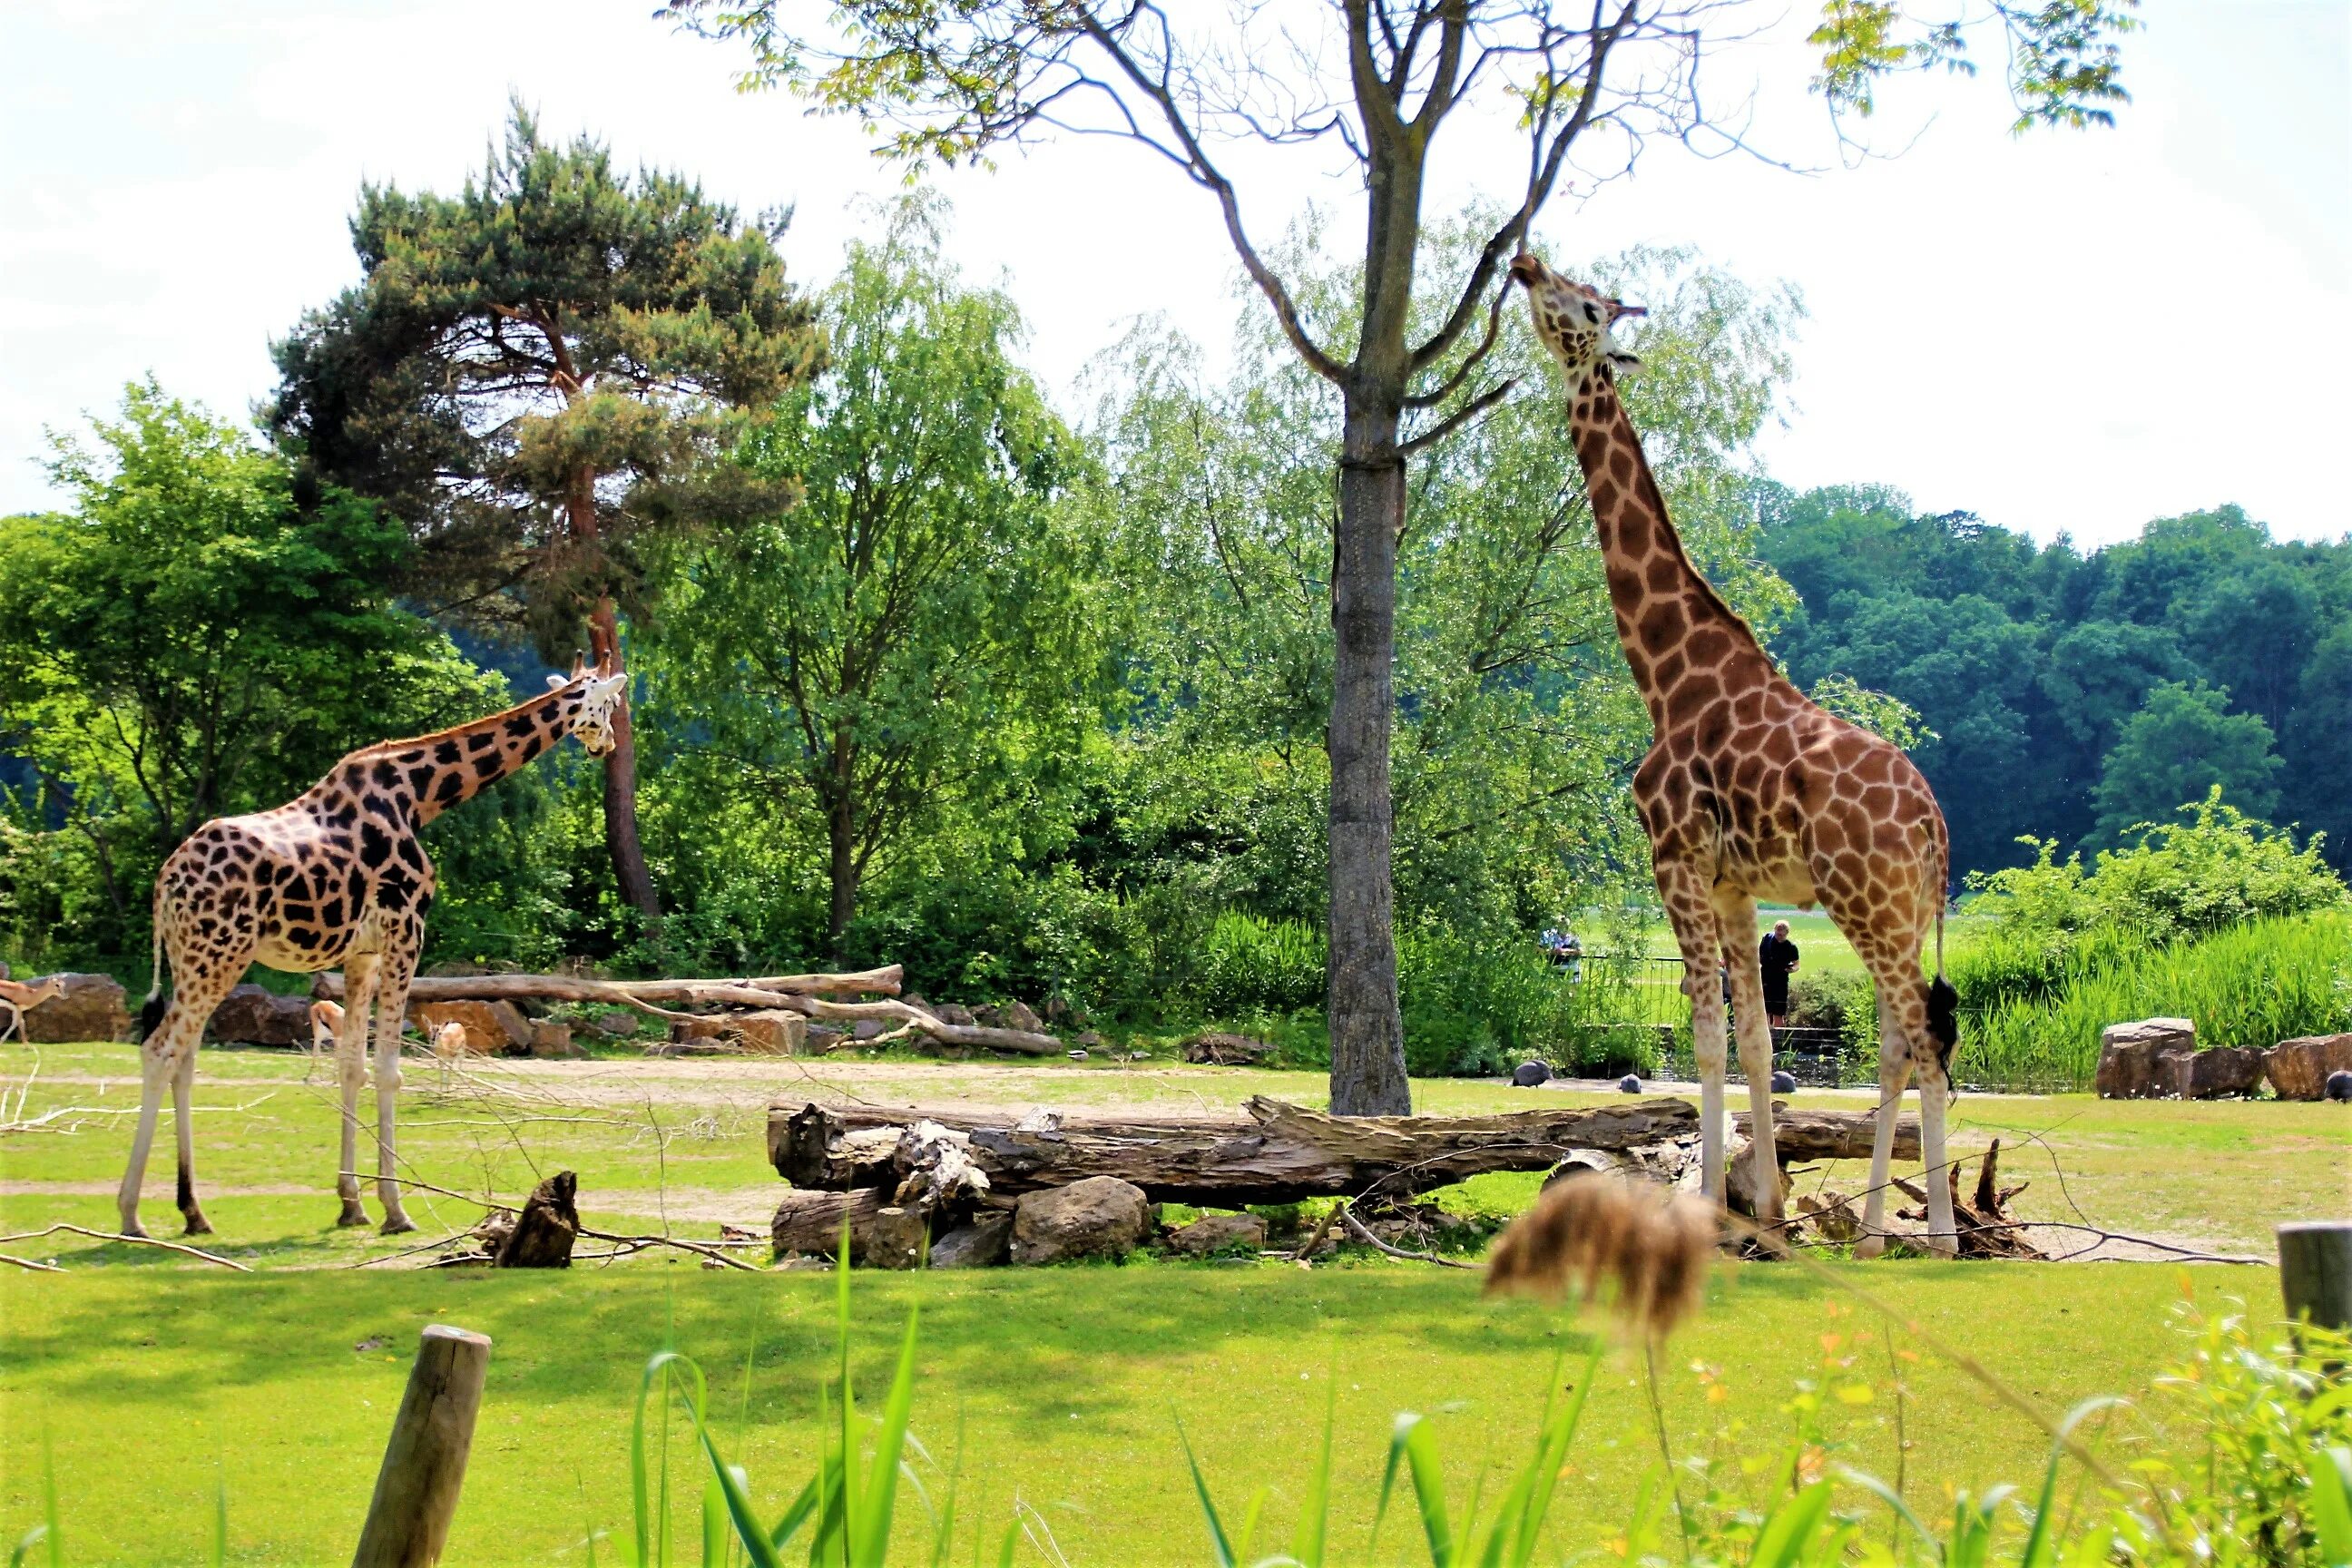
x=811, y=1221
x=329, y=986
x=1273, y=1153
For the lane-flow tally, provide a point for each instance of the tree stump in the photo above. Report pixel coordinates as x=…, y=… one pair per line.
x=545, y=1229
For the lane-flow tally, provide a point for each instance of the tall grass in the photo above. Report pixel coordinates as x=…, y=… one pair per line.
x=2252, y=985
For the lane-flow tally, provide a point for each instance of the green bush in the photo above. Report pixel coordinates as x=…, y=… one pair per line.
x=2252, y=986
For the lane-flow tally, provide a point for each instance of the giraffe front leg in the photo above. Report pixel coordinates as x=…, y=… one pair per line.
x=1934, y=1095
x=351, y=1073
x=184, y=1081
x=391, y=1012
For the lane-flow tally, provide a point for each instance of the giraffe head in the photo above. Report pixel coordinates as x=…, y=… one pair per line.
x=1574, y=320
x=602, y=692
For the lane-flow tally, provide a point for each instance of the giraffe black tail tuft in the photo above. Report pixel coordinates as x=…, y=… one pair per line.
x=1944, y=1018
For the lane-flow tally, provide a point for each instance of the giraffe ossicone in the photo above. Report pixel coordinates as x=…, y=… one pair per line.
x=1751, y=791
x=334, y=877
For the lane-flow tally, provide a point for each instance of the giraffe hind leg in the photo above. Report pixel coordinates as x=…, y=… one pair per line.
x=183, y=1080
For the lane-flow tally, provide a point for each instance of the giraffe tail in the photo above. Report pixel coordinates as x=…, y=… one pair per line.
x=1943, y=1000
x=151, y=1013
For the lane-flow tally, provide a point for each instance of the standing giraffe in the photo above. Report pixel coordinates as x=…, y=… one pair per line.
x=335, y=876
x=1751, y=791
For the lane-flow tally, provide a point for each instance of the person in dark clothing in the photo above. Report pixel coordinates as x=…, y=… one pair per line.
x=1777, y=956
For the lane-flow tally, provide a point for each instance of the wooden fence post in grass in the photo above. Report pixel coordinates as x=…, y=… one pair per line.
x=2315, y=1270
x=424, y=1462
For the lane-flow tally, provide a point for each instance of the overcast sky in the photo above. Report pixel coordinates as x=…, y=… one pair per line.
x=2064, y=331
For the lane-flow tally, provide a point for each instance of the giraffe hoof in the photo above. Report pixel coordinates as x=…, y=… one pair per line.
x=397, y=1224
x=1870, y=1247
x=353, y=1214
x=197, y=1225
x=133, y=1231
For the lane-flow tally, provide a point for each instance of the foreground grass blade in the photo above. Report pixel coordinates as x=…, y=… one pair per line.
x=1781, y=1543
x=1315, y=1514
x=2040, y=1545
x=1217, y=1539
x=1412, y=1444
x=219, y=1558
x=871, y=1538
x=2331, y=1503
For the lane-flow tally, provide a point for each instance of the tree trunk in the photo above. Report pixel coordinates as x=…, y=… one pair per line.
x=1368, y=1069
x=636, y=883
x=841, y=834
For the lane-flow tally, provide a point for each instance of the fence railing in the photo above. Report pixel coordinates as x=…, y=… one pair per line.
x=1652, y=997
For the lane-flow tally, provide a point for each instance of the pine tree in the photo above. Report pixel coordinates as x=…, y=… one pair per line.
x=538, y=370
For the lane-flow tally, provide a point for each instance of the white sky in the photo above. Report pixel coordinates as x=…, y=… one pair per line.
x=2067, y=330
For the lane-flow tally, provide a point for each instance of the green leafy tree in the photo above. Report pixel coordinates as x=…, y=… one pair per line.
x=918, y=630
x=1407, y=362
x=200, y=634
x=2183, y=742
x=536, y=373
x=2099, y=673
x=1516, y=721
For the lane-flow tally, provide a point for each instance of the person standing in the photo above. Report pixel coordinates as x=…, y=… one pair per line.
x=1777, y=956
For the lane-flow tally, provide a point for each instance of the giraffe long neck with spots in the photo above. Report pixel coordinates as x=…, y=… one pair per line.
x=426, y=774
x=1671, y=622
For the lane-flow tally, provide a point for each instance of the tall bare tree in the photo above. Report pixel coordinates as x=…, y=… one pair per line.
x=1380, y=78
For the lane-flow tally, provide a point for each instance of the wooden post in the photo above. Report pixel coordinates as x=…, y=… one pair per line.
x=2315, y=1270
x=424, y=1462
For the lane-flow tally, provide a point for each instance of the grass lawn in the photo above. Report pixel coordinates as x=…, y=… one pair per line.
x=151, y=1377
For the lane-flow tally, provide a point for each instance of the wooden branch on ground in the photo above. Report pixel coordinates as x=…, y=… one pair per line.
x=132, y=1240
x=1273, y=1153
x=812, y=1221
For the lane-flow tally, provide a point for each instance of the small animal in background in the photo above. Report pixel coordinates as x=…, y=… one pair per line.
x=449, y=1041
x=16, y=997
x=326, y=1025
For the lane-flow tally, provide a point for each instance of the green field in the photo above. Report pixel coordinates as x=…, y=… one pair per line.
x=152, y=1378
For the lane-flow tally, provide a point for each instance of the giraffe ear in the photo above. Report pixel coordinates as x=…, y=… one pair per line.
x=1624, y=360
x=556, y=682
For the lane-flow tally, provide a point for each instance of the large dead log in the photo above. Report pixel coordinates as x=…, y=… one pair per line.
x=755, y=993
x=811, y=1221
x=1274, y=1153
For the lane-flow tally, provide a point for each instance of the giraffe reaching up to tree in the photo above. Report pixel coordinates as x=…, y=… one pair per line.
x=1751, y=791
x=333, y=877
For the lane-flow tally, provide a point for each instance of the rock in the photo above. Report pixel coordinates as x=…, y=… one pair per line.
x=1222, y=1050
x=1210, y=1232
x=250, y=1016
x=618, y=1024
x=1630, y=1084
x=983, y=1244
x=1100, y=1217
x=1530, y=1074
x=1091, y=1040
x=707, y=1027
x=90, y=1008
x=954, y=1012
x=2128, y=1053
x=894, y=1238
x=820, y=1039
x=552, y=1042
x=771, y=1032
x=2297, y=1069
x=865, y=1029
x=2214, y=1073
x=2339, y=1087
x=491, y=1027
x=1018, y=1015
x=1784, y=1083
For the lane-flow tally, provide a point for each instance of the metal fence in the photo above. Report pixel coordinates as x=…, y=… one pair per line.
x=1650, y=997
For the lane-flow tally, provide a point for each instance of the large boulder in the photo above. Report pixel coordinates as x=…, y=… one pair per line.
x=2297, y=1069
x=2217, y=1072
x=770, y=1032
x=1210, y=1232
x=491, y=1027
x=2129, y=1052
x=983, y=1244
x=895, y=1238
x=1100, y=1217
x=1217, y=1049
x=250, y=1016
x=90, y=1007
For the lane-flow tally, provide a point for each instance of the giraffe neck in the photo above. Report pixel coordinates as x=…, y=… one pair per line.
x=1671, y=622
x=427, y=774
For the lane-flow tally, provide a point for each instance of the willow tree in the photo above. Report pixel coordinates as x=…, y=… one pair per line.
x=534, y=370
x=1380, y=80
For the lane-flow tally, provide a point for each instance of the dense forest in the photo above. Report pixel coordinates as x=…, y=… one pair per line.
x=1031, y=698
